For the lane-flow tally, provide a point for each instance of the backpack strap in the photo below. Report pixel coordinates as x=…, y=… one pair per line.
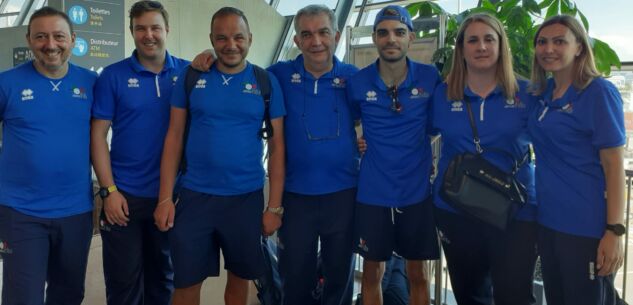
x=263, y=82
x=191, y=78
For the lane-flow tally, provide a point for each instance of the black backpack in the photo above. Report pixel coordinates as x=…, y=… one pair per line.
x=263, y=82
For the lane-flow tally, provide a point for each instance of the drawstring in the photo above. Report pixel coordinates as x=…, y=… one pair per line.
x=393, y=215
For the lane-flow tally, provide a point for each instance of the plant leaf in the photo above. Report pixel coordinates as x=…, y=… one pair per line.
x=553, y=9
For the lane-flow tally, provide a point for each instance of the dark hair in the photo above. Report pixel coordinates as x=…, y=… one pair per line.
x=47, y=11
x=228, y=10
x=141, y=7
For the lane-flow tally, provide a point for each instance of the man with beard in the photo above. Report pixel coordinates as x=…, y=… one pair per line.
x=221, y=198
x=393, y=210
x=132, y=96
x=45, y=180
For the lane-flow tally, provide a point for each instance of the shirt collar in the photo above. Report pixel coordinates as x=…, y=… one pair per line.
x=569, y=95
x=497, y=90
x=300, y=68
x=138, y=67
x=410, y=79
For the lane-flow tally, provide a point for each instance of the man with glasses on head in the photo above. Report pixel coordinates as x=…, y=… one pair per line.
x=321, y=163
x=45, y=180
x=132, y=97
x=221, y=198
x=394, y=210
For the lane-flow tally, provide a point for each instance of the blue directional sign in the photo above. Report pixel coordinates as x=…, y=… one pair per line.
x=78, y=14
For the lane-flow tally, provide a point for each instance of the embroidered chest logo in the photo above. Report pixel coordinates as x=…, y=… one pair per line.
x=251, y=88
x=295, y=78
x=338, y=82
x=371, y=96
x=417, y=93
x=569, y=109
x=133, y=83
x=4, y=247
x=201, y=83
x=80, y=93
x=514, y=103
x=27, y=95
x=174, y=80
x=457, y=106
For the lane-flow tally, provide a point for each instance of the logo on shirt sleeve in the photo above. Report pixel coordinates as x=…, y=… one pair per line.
x=133, y=83
x=201, y=83
x=371, y=96
x=295, y=78
x=27, y=95
x=457, y=106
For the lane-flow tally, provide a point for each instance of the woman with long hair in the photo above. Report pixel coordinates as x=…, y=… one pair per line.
x=484, y=262
x=578, y=133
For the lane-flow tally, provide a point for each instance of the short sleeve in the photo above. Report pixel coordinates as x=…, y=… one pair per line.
x=277, y=107
x=608, y=116
x=178, y=96
x=104, y=105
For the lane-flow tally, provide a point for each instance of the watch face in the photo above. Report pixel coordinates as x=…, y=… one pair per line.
x=103, y=192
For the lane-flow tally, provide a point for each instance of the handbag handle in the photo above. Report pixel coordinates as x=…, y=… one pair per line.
x=477, y=141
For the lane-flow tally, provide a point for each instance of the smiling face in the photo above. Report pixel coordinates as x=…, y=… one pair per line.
x=316, y=39
x=231, y=41
x=392, y=39
x=556, y=49
x=481, y=47
x=149, y=32
x=51, y=41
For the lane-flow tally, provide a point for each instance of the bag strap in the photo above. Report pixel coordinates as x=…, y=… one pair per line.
x=471, y=118
x=477, y=141
x=263, y=82
x=191, y=78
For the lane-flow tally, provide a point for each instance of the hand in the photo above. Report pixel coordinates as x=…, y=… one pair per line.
x=115, y=209
x=270, y=223
x=203, y=61
x=610, y=254
x=362, y=145
x=164, y=215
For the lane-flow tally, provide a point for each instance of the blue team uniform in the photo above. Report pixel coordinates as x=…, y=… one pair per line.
x=395, y=169
x=224, y=176
x=320, y=186
x=479, y=256
x=136, y=257
x=568, y=134
x=45, y=184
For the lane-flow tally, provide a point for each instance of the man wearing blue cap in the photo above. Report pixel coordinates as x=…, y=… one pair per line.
x=393, y=210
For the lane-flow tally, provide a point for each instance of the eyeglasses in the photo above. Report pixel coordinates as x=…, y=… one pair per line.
x=311, y=136
x=395, y=103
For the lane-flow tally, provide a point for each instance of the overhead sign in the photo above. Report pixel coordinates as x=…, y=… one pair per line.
x=21, y=55
x=100, y=29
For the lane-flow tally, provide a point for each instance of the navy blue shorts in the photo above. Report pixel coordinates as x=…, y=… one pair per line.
x=409, y=231
x=568, y=263
x=36, y=251
x=204, y=224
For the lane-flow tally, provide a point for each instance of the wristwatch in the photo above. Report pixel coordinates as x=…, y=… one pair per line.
x=105, y=191
x=618, y=229
x=278, y=210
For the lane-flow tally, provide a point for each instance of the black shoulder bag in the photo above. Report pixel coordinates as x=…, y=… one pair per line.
x=480, y=189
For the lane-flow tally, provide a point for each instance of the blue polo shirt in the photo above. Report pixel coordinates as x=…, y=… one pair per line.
x=321, y=152
x=45, y=157
x=568, y=134
x=395, y=169
x=223, y=150
x=501, y=124
x=136, y=100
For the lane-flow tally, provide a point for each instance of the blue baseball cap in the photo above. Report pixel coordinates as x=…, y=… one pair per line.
x=394, y=12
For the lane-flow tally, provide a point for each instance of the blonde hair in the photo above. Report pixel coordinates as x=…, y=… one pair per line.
x=456, y=79
x=584, y=70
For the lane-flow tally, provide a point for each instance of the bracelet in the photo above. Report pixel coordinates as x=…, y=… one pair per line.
x=163, y=201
